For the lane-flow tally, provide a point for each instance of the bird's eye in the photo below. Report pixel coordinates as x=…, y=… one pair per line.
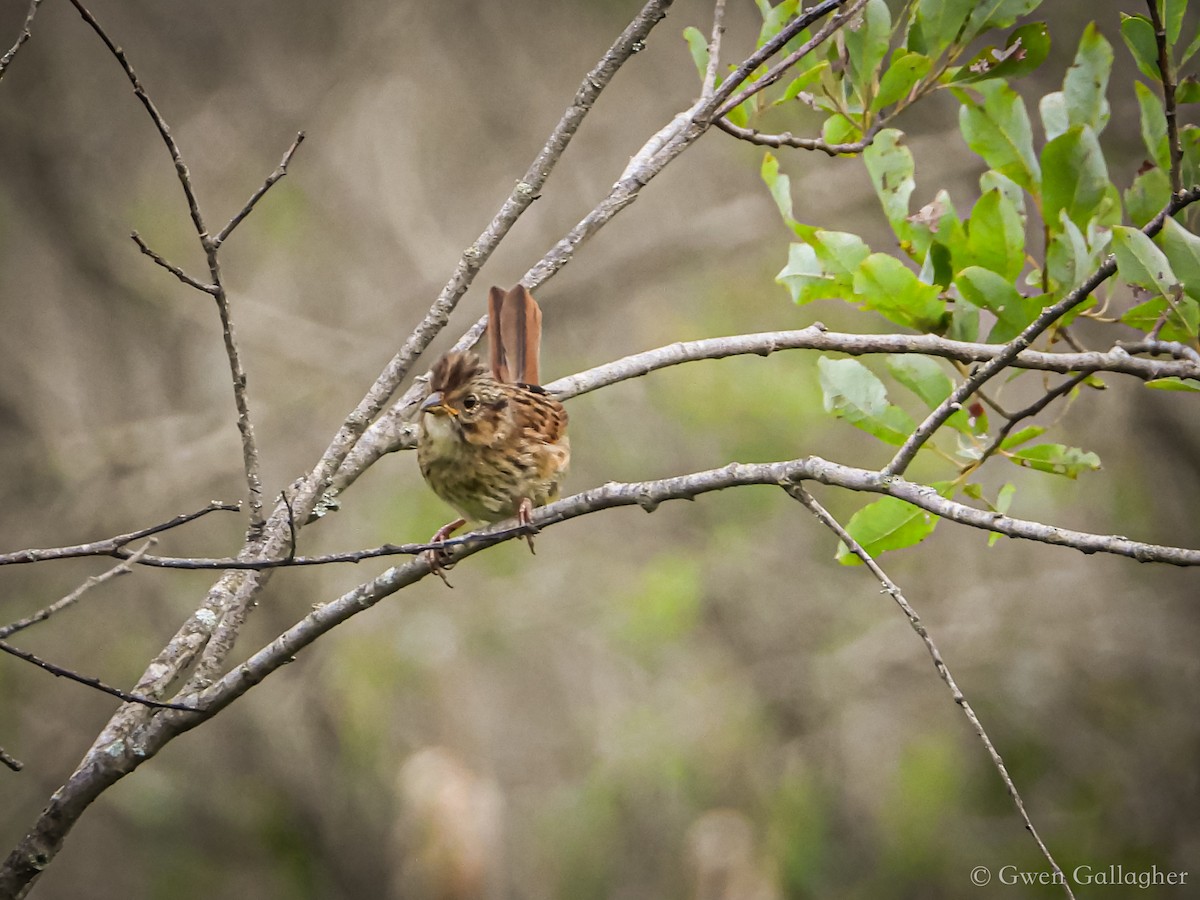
x=470, y=401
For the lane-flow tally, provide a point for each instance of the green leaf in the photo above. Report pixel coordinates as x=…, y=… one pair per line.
x=1188, y=90
x=1182, y=318
x=994, y=181
x=1171, y=383
x=921, y=375
x=780, y=186
x=1190, y=51
x=839, y=251
x=1140, y=262
x=866, y=47
x=997, y=294
x=1139, y=38
x=890, y=165
x=1148, y=194
x=1057, y=459
x=1182, y=249
x=996, y=236
x=935, y=223
x=999, y=131
x=1023, y=436
x=1154, y=125
x=935, y=24
x=698, y=47
x=997, y=14
x=801, y=82
x=805, y=277
x=886, y=285
x=1025, y=50
x=1053, y=110
x=1068, y=258
x=901, y=75
x=1074, y=175
x=840, y=130
x=1173, y=11
x=852, y=392
x=774, y=18
x=1087, y=80
x=886, y=524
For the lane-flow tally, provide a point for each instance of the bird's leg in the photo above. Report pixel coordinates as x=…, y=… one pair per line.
x=523, y=517
x=438, y=562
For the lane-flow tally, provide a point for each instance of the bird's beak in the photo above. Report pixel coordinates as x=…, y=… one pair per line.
x=436, y=404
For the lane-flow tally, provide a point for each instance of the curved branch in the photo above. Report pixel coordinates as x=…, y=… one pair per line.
x=26, y=34
x=1032, y=331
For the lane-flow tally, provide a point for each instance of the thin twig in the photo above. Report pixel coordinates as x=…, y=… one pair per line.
x=108, y=546
x=122, y=568
x=89, y=681
x=280, y=172
x=787, y=139
x=1031, y=332
x=26, y=34
x=1032, y=410
x=10, y=761
x=1167, y=76
x=171, y=267
x=714, y=51
x=892, y=589
x=250, y=460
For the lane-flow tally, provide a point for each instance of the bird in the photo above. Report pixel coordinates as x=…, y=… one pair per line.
x=492, y=442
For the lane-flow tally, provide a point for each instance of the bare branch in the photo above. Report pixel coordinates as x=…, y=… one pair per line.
x=1047, y=318
x=1167, y=77
x=89, y=681
x=109, y=546
x=216, y=289
x=123, y=568
x=714, y=51
x=26, y=34
x=280, y=171
x=893, y=590
x=10, y=761
x=787, y=139
x=172, y=268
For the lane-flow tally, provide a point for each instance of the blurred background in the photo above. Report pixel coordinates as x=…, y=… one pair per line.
x=698, y=703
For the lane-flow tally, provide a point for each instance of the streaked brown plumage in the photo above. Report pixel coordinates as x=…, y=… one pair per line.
x=494, y=444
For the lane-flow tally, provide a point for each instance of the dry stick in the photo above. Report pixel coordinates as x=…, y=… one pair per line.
x=108, y=546
x=280, y=172
x=92, y=682
x=183, y=276
x=26, y=34
x=650, y=494
x=787, y=139
x=1045, y=319
x=709, y=87
x=11, y=761
x=122, y=568
x=1167, y=76
x=210, y=627
x=893, y=590
x=237, y=370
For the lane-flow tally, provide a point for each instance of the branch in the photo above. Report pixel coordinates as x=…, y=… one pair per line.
x=91, y=682
x=237, y=371
x=10, y=761
x=1167, y=76
x=123, y=568
x=892, y=589
x=109, y=546
x=714, y=51
x=787, y=139
x=172, y=268
x=280, y=172
x=26, y=34
x=1048, y=317
x=1032, y=410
